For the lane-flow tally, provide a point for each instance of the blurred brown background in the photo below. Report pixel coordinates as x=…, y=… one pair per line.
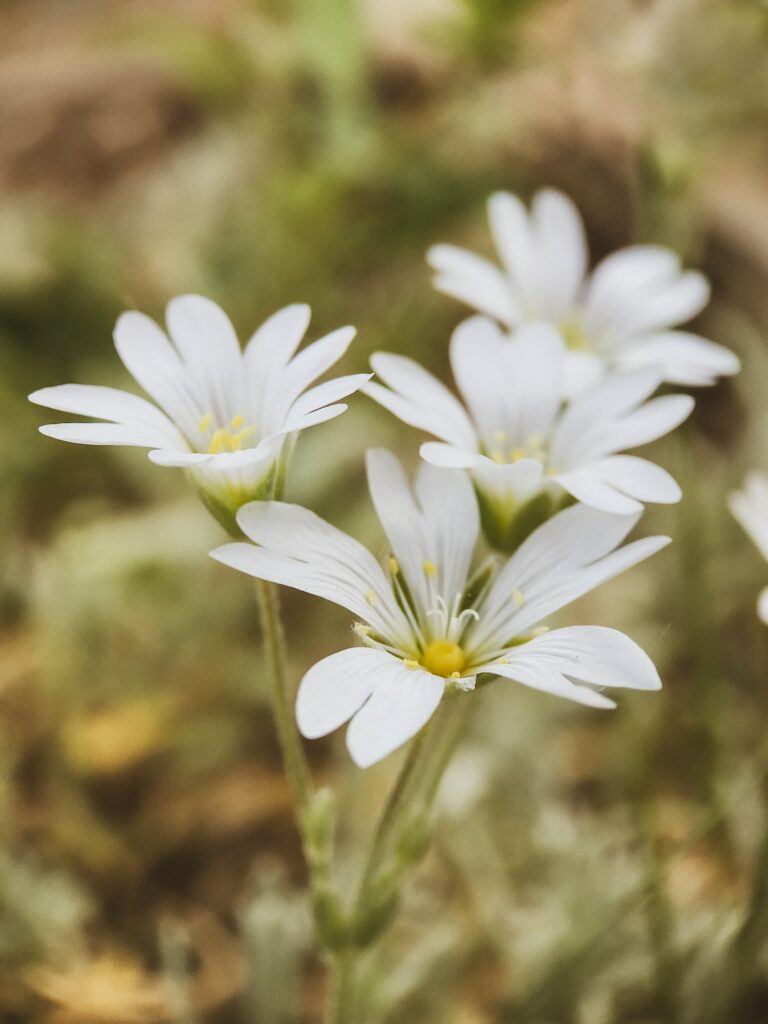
x=587, y=868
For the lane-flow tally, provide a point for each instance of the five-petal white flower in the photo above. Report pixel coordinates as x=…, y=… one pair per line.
x=749, y=507
x=623, y=314
x=521, y=441
x=224, y=414
x=428, y=622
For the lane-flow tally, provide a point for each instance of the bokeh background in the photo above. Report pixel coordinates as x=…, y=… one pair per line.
x=587, y=868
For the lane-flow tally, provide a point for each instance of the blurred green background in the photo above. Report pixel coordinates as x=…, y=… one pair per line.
x=588, y=868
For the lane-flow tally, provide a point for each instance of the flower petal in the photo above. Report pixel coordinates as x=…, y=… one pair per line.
x=206, y=339
x=328, y=392
x=403, y=701
x=419, y=399
x=108, y=404
x=447, y=455
x=301, y=550
x=682, y=357
x=442, y=528
x=474, y=281
x=132, y=436
x=589, y=486
x=155, y=365
x=335, y=688
x=569, y=555
x=305, y=368
x=561, y=249
x=541, y=677
x=592, y=654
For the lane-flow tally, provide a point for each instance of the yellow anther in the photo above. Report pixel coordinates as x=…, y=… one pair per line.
x=540, y=631
x=516, y=454
x=362, y=629
x=218, y=441
x=371, y=598
x=497, y=456
x=235, y=442
x=553, y=471
x=500, y=436
x=394, y=565
x=502, y=661
x=410, y=663
x=205, y=423
x=443, y=658
x=534, y=440
x=237, y=421
x=517, y=597
x=455, y=675
x=541, y=455
x=430, y=569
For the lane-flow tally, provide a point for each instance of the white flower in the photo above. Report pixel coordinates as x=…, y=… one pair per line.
x=622, y=314
x=749, y=507
x=526, y=450
x=428, y=622
x=224, y=414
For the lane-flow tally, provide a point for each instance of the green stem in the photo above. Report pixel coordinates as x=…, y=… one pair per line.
x=418, y=780
x=389, y=816
x=293, y=752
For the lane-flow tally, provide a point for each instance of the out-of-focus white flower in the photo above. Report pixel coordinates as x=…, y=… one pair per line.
x=428, y=623
x=624, y=313
x=749, y=506
x=222, y=414
x=527, y=451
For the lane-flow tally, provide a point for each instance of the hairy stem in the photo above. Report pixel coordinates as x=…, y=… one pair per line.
x=293, y=752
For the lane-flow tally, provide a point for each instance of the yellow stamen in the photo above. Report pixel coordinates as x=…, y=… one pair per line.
x=500, y=436
x=430, y=569
x=371, y=598
x=362, y=629
x=237, y=421
x=497, y=456
x=218, y=441
x=517, y=597
x=502, y=661
x=540, y=631
x=410, y=663
x=534, y=440
x=444, y=658
x=394, y=565
x=516, y=454
x=455, y=675
x=205, y=423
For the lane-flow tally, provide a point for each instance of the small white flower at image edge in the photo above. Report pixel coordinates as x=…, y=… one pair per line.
x=749, y=507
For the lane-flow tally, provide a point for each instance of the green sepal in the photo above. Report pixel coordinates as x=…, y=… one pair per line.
x=224, y=503
x=506, y=524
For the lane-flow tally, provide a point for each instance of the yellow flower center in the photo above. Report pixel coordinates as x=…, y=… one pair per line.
x=575, y=337
x=225, y=439
x=502, y=454
x=443, y=658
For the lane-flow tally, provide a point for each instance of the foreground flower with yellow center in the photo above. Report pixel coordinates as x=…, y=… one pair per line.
x=431, y=623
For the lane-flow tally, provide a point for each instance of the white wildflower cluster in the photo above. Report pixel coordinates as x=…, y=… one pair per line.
x=556, y=380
